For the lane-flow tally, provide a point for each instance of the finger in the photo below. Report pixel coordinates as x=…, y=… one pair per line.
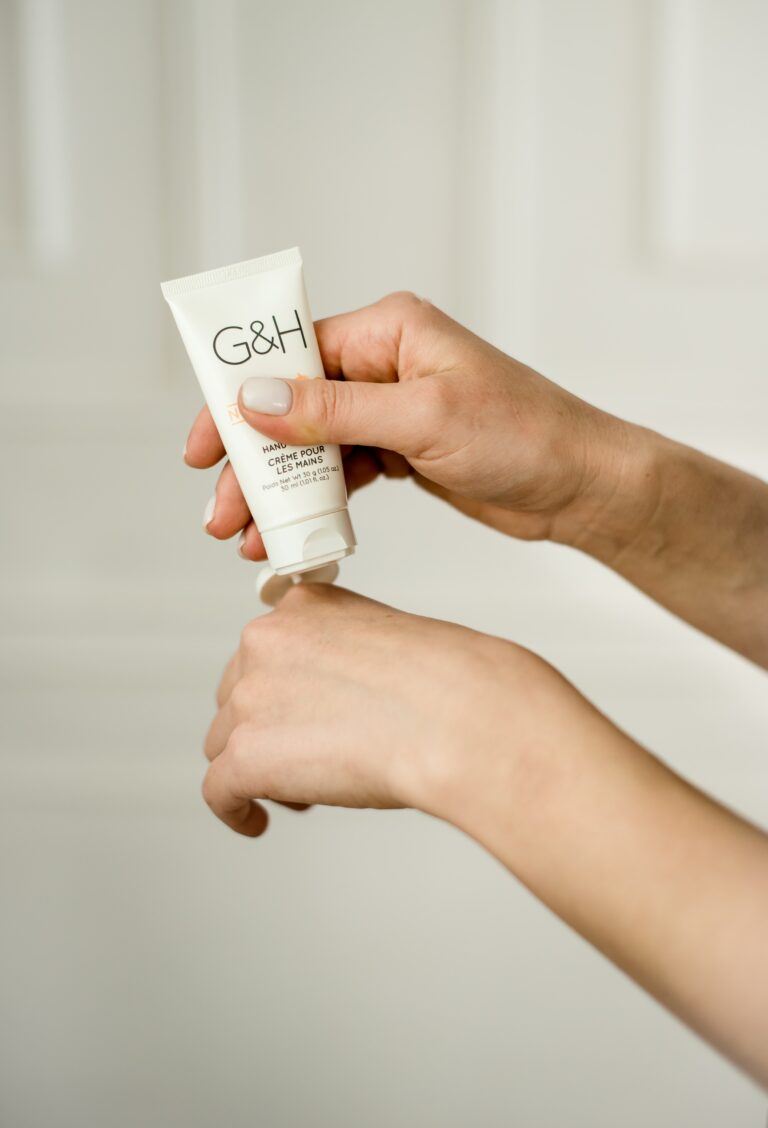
x=364, y=465
x=220, y=729
x=400, y=417
x=376, y=343
x=251, y=546
x=226, y=512
x=239, y=811
x=229, y=679
x=204, y=446
x=360, y=469
x=393, y=465
x=286, y=766
x=259, y=765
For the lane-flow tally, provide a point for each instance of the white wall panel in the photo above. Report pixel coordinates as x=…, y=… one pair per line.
x=712, y=155
x=612, y=313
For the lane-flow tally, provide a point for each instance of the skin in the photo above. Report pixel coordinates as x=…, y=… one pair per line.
x=412, y=392
x=376, y=708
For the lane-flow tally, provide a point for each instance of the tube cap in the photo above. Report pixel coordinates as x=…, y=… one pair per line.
x=271, y=588
x=309, y=544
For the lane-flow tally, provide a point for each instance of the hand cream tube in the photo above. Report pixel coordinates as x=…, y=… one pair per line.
x=253, y=319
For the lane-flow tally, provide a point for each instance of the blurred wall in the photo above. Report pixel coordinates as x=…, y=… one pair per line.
x=583, y=183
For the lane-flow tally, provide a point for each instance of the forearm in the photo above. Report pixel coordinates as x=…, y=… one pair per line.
x=668, y=884
x=686, y=529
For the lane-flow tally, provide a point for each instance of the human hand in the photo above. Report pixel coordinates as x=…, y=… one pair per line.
x=413, y=392
x=336, y=699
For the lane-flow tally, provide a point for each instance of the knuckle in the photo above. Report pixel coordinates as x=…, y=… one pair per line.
x=209, y=747
x=325, y=405
x=304, y=595
x=209, y=785
x=409, y=306
x=221, y=694
x=405, y=299
x=237, y=753
x=256, y=634
x=240, y=699
x=249, y=635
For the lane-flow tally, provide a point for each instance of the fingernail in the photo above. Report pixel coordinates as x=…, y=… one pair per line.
x=241, y=544
x=184, y=453
x=209, y=510
x=268, y=396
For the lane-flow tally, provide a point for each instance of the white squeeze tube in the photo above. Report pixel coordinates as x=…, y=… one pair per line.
x=253, y=319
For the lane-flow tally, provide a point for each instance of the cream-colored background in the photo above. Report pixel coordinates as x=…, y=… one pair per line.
x=584, y=183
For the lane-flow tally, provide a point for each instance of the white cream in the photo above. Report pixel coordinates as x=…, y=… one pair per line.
x=253, y=319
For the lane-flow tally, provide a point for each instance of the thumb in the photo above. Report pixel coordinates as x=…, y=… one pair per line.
x=358, y=413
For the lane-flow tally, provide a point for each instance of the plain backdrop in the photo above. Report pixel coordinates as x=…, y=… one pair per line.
x=585, y=184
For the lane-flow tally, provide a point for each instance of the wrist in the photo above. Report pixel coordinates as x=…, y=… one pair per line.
x=474, y=746
x=500, y=740
x=621, y=491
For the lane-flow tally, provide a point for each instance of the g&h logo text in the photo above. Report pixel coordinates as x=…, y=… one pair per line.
x=235, y=345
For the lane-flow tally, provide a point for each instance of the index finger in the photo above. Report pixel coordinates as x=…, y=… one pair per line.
x=396, y=338
x=204, y=446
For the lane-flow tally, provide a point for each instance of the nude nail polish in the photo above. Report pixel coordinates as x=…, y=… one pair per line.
x=266, y=395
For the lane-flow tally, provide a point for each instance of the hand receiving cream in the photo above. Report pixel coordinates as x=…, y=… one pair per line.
x=241, y=324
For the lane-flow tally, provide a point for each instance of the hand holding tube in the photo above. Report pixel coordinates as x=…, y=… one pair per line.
x=416, y=393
